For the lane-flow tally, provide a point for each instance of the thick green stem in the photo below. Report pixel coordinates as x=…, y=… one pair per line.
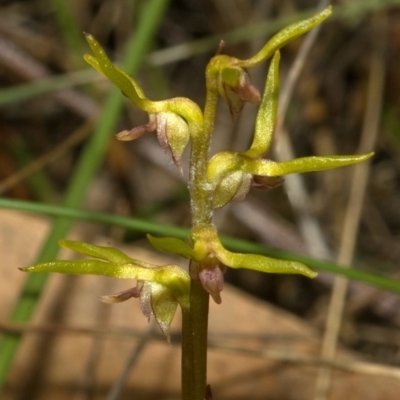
x=194, y=341
x=195, y=319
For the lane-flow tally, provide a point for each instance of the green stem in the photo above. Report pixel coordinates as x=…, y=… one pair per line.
x=194, y=341
x=202, y=213
x=195, y=319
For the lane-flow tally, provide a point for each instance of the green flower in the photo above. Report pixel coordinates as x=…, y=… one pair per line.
x=172, y=118
x=213, y=259
x=230, y=77
x=231, y=174
x=159, y=288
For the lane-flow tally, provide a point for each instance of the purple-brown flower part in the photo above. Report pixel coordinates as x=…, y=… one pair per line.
x=121, y=296
x=162, y=126
x=267, y=182
x=246, y=91
x=238, y=89
x=145, y=299
x=138, y=131
x=212, y=279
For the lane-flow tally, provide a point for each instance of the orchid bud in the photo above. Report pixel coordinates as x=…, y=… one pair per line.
x=212, y=279
x=235, y=87
x=173, y=134
x=232, y=187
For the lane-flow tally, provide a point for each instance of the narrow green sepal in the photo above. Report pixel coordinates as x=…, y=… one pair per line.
x=227, y=162
x=173, y=245
x=266, y=115
x=286, y=35
x=207, y=238
x=301, y=165
x=94, y=267
x=92, y=61
x=261, y=263
x=122, y=80
x=181, y=106
x=103, y=252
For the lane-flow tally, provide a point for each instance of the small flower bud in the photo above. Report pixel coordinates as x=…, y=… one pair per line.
x=212, y=280
x=232, y=187
x=172, y=133
x=236, y=88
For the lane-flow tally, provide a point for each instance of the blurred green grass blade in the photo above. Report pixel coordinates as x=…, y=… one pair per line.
x=91, y=159
x=349, y=11
x=181, y=233
x=134, y=224
x=26, y=91
x=70, y=30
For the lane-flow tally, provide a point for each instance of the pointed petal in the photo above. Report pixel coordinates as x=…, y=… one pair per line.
x=178, y=137
x=137, y=132
x=164, y=306
x=121, y=296
x=235, y=103
x=102, y=252
x=145, y=299
x=172, y=245
x=247, y=91
x=300, y=165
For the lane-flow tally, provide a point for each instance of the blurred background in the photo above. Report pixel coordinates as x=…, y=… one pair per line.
x=345, y=100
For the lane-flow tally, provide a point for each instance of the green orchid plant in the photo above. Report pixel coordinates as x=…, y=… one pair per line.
x=213, y=182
